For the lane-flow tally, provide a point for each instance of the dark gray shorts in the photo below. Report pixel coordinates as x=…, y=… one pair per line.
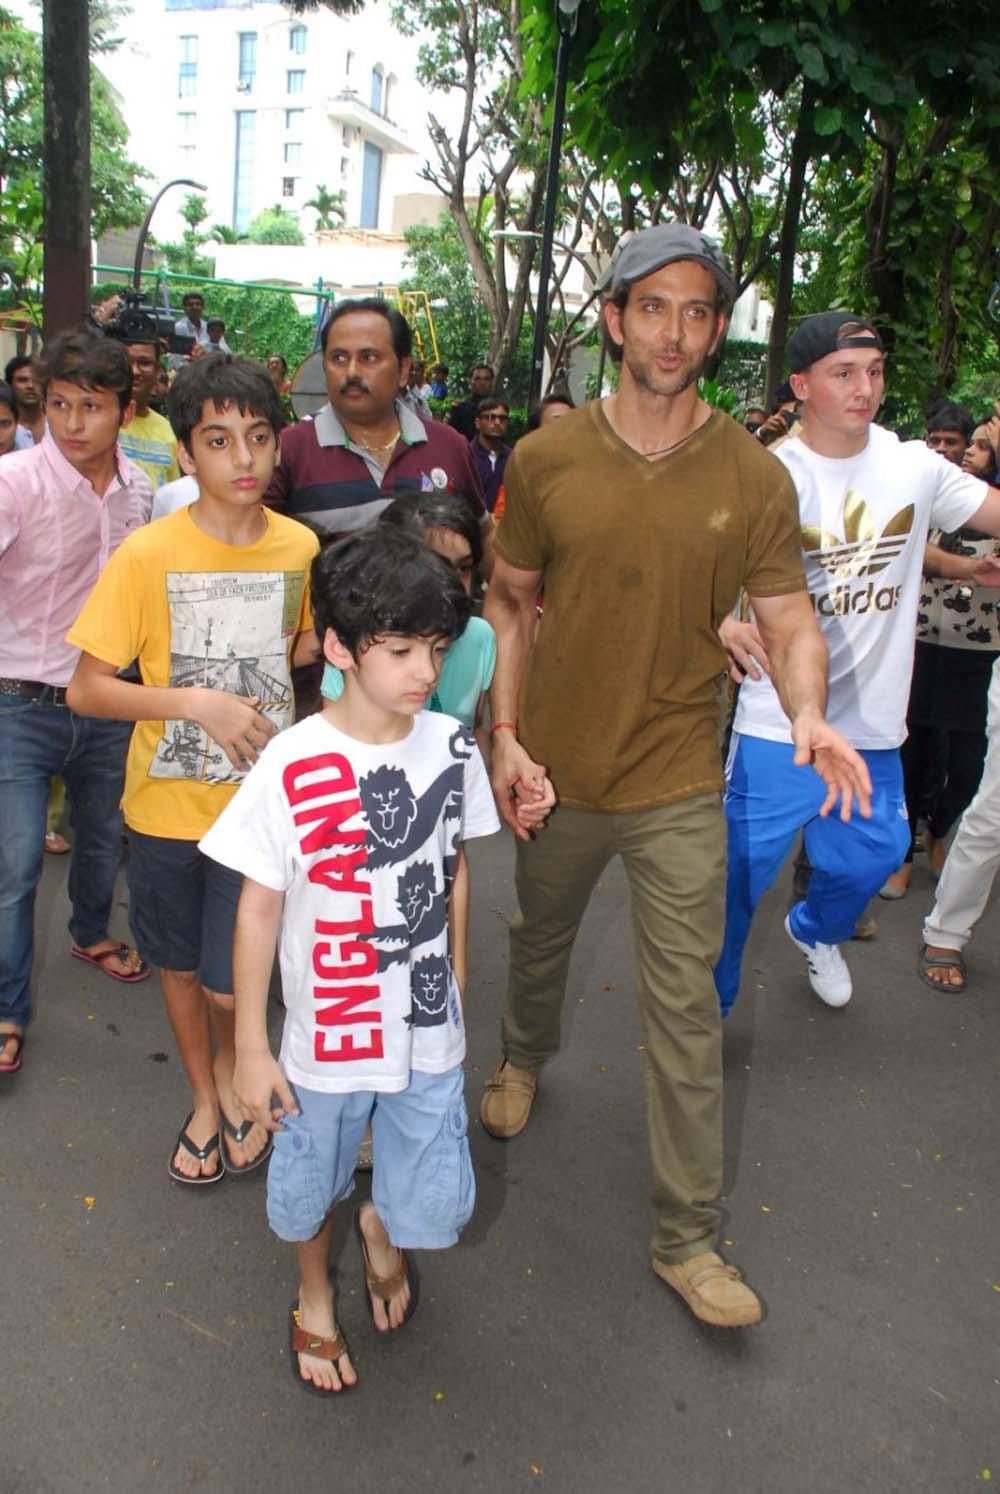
x=182, y=908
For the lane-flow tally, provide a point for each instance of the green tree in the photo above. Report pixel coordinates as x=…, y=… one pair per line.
x=912, y=241
x=489, y=167
x=224, y=233
x=659, y=81
x=436, y=263
x=439, y=266
x=275, y=226
x=117, y=196
x=184, y=258
x=329, y=207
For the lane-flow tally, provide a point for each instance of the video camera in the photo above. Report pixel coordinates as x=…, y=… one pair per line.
x=135, y=321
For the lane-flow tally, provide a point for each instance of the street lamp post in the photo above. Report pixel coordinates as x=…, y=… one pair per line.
x=140, y=243
x=566, y=21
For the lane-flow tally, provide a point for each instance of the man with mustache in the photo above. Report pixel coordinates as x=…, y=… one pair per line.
x=337, y=472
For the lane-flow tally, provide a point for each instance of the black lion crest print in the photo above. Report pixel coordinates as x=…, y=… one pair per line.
x=430, y=981
x=389, y=805
x=399, y=823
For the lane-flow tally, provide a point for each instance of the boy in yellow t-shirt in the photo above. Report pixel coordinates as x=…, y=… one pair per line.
x=147, y=438
x=213, y=602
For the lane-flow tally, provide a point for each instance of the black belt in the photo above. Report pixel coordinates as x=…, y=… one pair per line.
x=34, y=690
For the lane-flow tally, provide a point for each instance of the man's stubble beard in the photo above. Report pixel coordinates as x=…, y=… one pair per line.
x=664, y=386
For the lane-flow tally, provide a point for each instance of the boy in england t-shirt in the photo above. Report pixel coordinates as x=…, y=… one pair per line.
x=347, y=833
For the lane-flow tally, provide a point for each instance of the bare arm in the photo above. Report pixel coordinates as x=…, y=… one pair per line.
x=231, y=720
x=798, y=657
x=987, y=515
x=796, y=650
x=977, y=570
x=510, y=610
x=258, y=1076
x=458, y=921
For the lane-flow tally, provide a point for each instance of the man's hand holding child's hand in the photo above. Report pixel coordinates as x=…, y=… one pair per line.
x=534, y=801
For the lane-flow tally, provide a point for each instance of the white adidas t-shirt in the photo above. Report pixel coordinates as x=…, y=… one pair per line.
x=362, y=840
x=864, y=527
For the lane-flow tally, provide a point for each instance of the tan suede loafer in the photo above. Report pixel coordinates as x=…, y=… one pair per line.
x=507, y=1100
x=715, y=1292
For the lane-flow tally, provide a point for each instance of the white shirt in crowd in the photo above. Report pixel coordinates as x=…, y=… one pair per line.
x=174, y=495
x=184, y=327
x=865, y=521
x=361, y=840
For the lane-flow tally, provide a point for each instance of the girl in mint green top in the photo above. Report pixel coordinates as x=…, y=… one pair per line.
x=449, y=526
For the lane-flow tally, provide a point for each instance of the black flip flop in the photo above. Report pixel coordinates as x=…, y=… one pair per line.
x=239, y=1134
x=302, y=1342
x=213, y=1144
x=375, y=1285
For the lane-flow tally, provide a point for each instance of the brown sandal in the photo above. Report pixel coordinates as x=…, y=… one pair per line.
x=302, y=1342
x=386, y=1287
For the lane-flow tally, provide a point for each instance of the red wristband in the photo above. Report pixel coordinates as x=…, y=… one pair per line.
x=499, y=725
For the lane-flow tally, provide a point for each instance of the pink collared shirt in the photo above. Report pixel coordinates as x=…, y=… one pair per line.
x=56, y=534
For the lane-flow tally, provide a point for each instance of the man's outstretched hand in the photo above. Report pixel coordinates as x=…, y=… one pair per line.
x=841, y=768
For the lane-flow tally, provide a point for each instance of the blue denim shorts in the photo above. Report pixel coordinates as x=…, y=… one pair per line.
x=422, y=1183
x=182, y=908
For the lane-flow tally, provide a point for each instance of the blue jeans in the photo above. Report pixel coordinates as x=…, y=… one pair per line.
x=768, y=801
x=38, y=740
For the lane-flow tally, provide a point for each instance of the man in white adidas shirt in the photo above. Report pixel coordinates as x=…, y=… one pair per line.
x=866, y=501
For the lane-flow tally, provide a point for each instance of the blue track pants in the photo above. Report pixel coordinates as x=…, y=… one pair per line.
x=768, y=801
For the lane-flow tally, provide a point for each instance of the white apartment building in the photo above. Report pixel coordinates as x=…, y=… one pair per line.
x=263, y=106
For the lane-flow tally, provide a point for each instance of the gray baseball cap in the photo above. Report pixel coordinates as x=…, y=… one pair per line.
x=652, y=248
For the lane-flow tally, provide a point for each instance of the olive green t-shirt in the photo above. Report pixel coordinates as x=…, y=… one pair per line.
x=642, y=561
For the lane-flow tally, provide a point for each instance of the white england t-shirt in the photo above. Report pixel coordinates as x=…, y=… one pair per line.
x=864, y=527
x=362, y=841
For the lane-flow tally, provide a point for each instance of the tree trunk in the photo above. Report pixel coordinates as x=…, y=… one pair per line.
x=788, y=242
x=947, y=351
x=66, y=56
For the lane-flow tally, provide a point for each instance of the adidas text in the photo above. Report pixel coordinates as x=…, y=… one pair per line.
x=843, y=600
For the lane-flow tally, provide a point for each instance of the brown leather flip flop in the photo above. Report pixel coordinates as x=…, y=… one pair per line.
x=386, y=1287
x=302, y=1342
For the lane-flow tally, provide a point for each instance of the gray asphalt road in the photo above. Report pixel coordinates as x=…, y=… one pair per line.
x=145, y=1326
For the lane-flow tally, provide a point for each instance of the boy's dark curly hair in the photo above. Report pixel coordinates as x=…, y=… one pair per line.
x=385, y=580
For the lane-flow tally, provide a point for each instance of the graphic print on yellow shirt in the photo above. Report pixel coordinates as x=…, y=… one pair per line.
x=198, y=613
x=229, y=630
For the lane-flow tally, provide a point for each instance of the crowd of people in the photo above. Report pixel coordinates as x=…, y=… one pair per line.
x=270, y=676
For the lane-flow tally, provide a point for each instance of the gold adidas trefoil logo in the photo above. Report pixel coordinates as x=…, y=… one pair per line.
x=863, y=551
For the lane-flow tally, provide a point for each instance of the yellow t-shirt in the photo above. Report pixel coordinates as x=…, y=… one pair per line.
x=195, y=611
x=150, y=442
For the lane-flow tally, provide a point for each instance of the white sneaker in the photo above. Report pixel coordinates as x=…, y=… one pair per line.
x=827, y=968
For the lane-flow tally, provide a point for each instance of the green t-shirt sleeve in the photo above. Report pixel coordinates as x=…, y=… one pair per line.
x=774, y=550
x=520, y=539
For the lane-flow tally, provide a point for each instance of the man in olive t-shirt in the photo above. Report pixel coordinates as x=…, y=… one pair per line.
x=644, y=515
